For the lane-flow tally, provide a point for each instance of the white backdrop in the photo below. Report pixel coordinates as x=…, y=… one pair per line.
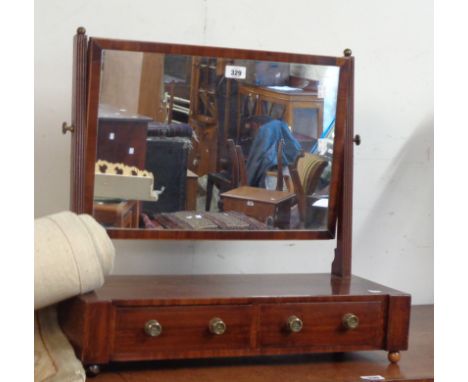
x=393, y=45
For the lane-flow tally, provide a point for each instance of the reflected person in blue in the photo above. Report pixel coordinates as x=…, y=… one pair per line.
x=262, y=154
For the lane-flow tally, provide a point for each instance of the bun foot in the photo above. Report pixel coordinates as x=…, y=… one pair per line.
x=93, y=370
x=394, y=356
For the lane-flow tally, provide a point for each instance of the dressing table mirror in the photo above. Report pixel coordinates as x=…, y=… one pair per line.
x=191, y=142
x=200, y=143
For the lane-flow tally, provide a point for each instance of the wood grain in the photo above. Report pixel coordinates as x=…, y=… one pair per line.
x=108, y=324
x=183, y=330
x=341, y=265
x=167, y=290
x=397, y=332
x=417, y=364
x=323, y=324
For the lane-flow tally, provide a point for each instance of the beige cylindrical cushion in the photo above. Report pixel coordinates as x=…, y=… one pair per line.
x=72, y=255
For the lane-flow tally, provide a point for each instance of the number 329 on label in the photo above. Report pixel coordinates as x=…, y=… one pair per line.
x=238, y=72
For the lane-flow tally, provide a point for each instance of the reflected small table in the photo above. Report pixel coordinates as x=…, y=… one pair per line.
x=119, y=214
x=264, y=205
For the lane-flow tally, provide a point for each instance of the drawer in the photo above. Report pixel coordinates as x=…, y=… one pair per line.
x=184, y=328
x=323, y=325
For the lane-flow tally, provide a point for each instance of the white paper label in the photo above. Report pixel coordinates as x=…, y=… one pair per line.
x=238, y=72
x=373, y=378
x=111, y=136
x=250, y=203
x=131, y=150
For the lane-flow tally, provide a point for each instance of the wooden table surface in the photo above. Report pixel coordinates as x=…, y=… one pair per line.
x=417, y=364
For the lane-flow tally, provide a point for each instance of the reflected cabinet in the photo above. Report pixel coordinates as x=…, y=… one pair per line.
x=193, y=142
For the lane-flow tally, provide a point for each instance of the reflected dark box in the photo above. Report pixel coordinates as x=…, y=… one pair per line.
x=166, y=158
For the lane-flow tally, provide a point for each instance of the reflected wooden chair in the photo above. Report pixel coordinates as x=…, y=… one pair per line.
x=241, y=166
x=238, y=176
x=225, y=180
x=305, y=174
x=283, y=178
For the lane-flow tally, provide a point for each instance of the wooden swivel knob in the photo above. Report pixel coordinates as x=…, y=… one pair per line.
x=350, y=321
x=67, y=128
x=153, y=328
x=217, y=326
x=295, y=324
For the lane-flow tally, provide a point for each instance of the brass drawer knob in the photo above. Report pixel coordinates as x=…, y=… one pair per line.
x=217, y=326
x=153, y=328
x=295, y=324
x=350, y=321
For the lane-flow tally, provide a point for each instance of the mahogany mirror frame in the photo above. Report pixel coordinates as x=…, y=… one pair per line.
x=87, y=74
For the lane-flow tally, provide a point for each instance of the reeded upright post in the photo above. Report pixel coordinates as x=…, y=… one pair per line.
x=77, y=171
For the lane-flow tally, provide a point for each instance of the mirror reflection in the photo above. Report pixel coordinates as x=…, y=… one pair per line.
x=206, y=143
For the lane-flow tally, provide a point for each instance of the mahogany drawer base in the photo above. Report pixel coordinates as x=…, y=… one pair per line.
x=135, y=318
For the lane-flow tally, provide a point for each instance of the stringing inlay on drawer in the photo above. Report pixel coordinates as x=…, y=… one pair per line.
x=182, y=328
